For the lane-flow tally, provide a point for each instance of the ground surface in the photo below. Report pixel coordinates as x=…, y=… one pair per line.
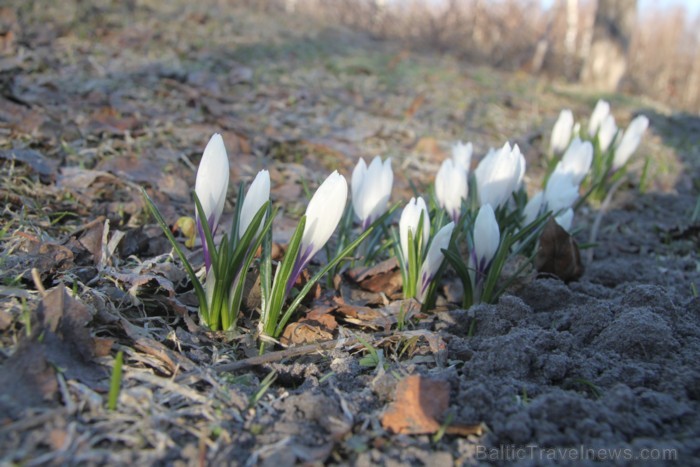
x=96, y=101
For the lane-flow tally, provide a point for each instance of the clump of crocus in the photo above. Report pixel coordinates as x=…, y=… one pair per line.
x=371, y=189
x=227, y=263
x=561, y=132
x=313, y=231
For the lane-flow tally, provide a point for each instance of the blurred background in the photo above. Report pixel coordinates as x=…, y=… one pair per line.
x=649, y=47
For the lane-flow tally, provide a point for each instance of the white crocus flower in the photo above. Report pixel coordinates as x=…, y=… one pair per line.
x=499, y=174
x=561, y=132
x=565, y=219
x=560, y=193
x=451, y=187
x=322, y=216
x=409, y=221
x=462, y=155
x=630, y=140
x=212, y=180
x=487, y=237
x=257, y=195
x=576, y=161
x=434, y=259
x=607, y=132
x=371, y=189
x=600, y=113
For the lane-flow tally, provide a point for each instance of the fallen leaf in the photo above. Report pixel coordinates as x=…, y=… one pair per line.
x=318, y=325
x=364, y=316
x=558, y=253
x=419, y=404
x=384, y=277
x=46, y=168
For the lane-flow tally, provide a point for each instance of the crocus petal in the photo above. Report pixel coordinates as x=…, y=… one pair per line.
x=462, y=155
x=607, y=132
x=630, y=141
x=576, y=161
x=212, y=180
x=451, y=188
x=434, y=258
x=532, y=208
x=565, y=219
x=600, y=113
x=487, y=235
x=560, y=192
x=258, y=194
x=323, y=215
x=410, y=218
x=356, y=182
x=561, y=132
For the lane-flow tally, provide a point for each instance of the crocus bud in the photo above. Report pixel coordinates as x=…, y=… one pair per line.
x=607, y=132
x=322, y=216
x=410, y=218
x=210, y=186
x=371, y=189
x=434, y=259
x=600, y=113
x=487, y=237
x=576, y=161
x=451, y=187
x=257, y=195
x=630, y=141
x=212, y=180
x=561, y=132
x=462, y=155
x=499, y=174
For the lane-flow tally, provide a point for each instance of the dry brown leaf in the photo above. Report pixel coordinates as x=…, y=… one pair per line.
x=558, y=253
x=385, y=277
x=318, y=325
x=364, y=316
x=419, y=404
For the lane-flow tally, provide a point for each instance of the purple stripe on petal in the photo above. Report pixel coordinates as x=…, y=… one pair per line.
x=299, y=264
x=205, y=249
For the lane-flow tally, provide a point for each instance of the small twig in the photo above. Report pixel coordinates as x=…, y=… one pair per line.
x=599, y=218
x=282, y=354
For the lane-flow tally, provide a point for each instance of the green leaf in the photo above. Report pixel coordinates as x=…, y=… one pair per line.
x=199, y=290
